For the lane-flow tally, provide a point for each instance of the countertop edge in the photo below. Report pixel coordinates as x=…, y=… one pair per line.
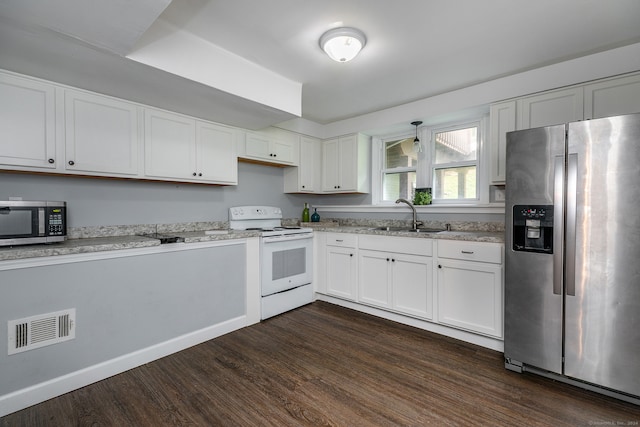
x=103, y=244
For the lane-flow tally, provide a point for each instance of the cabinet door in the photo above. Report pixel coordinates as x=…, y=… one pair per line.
x=27, y=123
x=170, y=146
x=373, y=278
x=470, y=296
x=101, y=134
x=217, y=160
x=330, y=165
x=309, y=169
x=550, y=108
x=258, y=146
x=348, y=163
x=341, y=272
x=503, y=120
x=306, y=177
x=612, y=97
x=282, y=151
x=412, y=285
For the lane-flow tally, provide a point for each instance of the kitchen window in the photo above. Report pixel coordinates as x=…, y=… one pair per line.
x=455, y=162
x=450, y=163
x=399, y=169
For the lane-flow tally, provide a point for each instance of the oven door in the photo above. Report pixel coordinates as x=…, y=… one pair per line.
x=287, y=262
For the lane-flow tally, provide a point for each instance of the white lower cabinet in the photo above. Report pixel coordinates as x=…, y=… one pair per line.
x=402, y=282
x=341, y=265
x=470, y=286
x=396, y=281
x=399, y=275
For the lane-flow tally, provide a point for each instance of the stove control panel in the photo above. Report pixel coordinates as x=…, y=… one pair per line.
x=240, y=213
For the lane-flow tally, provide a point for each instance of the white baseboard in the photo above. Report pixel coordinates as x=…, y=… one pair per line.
x=483, y=341
x=37, y=393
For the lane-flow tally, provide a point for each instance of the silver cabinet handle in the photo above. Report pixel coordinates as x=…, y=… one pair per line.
x=339, y=240
x=467, y=252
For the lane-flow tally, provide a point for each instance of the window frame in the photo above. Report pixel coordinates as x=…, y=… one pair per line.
x=433, y=167
x=425, y=166
x=378, y=166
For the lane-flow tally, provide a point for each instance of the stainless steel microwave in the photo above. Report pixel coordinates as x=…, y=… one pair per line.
x=32, y=222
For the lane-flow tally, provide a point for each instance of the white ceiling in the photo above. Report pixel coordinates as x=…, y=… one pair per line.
x=415, y=48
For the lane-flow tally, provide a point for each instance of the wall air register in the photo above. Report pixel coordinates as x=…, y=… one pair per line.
x=41, y=330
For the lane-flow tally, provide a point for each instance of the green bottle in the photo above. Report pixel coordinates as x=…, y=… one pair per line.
x=305, y=213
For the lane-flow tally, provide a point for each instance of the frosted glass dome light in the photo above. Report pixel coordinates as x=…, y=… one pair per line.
x=343, y=44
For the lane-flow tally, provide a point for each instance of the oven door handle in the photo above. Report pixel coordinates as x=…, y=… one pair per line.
x=287, y=238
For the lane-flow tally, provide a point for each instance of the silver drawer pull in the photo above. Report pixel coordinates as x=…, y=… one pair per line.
x=339, y=240
x=467, y=252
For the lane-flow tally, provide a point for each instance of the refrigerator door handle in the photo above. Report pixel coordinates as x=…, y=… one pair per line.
x=558, y=233
x=570, y=242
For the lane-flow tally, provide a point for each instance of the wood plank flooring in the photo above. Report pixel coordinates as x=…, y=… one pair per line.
x=324, y=365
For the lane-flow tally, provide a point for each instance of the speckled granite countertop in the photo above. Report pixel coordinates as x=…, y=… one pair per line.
x=113, y=243
x=111, y=238
x=472, y=236
x=492, y=232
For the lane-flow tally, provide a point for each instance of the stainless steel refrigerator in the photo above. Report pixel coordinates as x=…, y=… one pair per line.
x=572, y=278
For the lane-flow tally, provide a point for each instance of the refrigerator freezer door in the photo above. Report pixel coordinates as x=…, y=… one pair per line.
x=533, y=311
x=602, y=327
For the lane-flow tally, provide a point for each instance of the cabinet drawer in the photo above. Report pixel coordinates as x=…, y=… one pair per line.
x=471, y=251
x=342, y=239
x=401, y=245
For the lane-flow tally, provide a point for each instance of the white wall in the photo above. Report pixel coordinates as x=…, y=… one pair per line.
x=93, y=202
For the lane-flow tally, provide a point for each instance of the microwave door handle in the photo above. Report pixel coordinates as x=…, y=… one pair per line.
x=41, y=221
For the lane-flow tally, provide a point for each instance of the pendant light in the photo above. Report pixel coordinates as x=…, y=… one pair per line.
x=342, y=44
x=417, y=147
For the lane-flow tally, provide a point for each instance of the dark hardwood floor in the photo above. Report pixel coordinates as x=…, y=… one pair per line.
x=325, y=365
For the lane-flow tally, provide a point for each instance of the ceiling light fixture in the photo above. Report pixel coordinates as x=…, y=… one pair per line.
x=417, y=147
x=342, y=44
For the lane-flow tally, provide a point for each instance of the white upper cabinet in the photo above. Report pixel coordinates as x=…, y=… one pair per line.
x=217, y=159
x=550, y=108
x=170, y=145
x=101, y=134
x=346, y=164
x=604, y=98
x=503, y=120
x=181, y=148
x=612, y=97
x=27, y=123
x=271, y=146
x=306, y=177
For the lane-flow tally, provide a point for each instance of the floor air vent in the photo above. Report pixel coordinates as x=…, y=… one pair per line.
x=41, y=330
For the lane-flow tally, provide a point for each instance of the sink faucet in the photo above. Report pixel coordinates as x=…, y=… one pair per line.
x=416, y=223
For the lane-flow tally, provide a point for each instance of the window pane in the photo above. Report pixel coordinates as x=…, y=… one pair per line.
x=455, y=183
x=398, y=185
x=400, y=154
x=456, y=145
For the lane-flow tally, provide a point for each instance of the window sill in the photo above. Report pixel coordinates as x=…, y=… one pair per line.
x=491, y=208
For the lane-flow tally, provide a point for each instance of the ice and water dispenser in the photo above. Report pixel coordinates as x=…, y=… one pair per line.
x=533, y=228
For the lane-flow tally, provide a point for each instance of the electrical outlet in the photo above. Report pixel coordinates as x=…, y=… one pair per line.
x=499, y=195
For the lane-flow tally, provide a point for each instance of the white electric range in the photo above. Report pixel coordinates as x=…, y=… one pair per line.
x=286, y=258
